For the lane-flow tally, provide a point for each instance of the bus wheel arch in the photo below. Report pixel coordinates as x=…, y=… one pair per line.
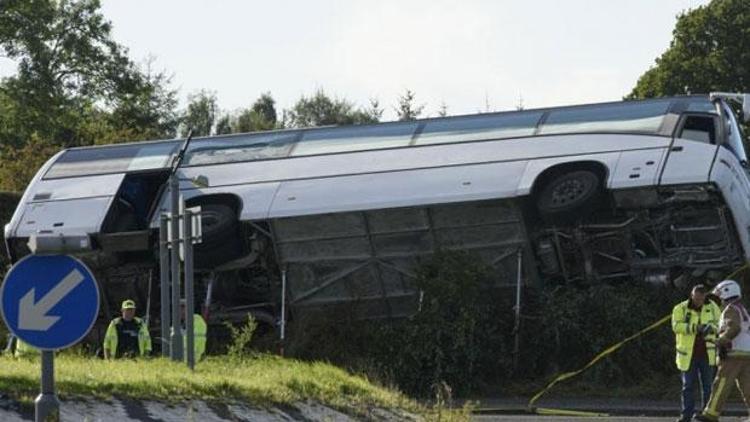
x=221, y=230
x=567, y=191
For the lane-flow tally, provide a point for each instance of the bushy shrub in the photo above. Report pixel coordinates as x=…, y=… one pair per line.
x=565, y=327
x=463, y=335
x=8, y=204
x=452, y=340
x=241, y=337
x=455, y=336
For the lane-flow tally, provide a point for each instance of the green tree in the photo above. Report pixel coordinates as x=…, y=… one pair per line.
x=249, y=120
x=322, y=110
x=261, y=115
x=265, y=107
x=200, y=114
x=710, y=51
x=66, y=62
x=74, y=85
x=443, y=111
x=224, y=125
x=147, y=107
x=18, y=165
x=406, y=109
x=375, y=111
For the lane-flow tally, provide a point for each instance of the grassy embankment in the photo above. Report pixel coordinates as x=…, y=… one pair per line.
x=260, y=381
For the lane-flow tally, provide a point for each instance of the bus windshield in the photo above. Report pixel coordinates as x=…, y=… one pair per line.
x=734, y=134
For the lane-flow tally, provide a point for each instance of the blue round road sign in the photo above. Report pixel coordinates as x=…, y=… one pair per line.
x=49, y=301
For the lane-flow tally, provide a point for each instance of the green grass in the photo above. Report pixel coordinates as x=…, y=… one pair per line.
x=263, y=380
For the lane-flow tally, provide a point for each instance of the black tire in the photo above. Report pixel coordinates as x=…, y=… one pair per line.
x=222, y=241
x=569, y=196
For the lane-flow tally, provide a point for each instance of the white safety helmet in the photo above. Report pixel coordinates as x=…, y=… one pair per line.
x=728, y=289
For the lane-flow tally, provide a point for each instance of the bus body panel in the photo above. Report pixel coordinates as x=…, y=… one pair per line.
x=76, y=188
x=10, y=228
x=688, y=162
x=536, y=167
x=69, y=217
x=256, y=199
x=66, y=206
x=637, y=168
x=377, y=161
x=325, y=184
x=397, y=189
x=731, y=178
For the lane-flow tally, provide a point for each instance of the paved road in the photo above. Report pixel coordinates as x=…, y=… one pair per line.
x=529, y=418
x=514, y=409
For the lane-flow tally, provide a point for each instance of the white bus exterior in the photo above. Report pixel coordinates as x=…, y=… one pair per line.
x=653, y=190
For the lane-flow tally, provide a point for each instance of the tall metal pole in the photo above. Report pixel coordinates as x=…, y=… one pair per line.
x=517, y=308
x=187, y=239
x=174, y=192
x=282, y=331
x=46, y=405
x=164, y=283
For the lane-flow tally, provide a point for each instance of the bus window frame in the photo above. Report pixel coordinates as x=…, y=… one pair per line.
x=686, y=115
x=728, y=119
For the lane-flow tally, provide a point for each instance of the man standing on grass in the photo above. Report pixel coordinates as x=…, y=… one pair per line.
x=695, y=323
x=734, y=351
x=127, y=336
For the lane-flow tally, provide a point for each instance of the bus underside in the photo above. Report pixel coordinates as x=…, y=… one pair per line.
x=367, y=261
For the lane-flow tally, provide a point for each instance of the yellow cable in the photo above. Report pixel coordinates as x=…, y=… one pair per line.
x=597, y=358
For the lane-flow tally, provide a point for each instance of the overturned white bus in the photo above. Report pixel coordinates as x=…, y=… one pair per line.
x=639, y=191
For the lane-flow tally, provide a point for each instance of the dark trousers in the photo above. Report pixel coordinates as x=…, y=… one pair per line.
x=699, y=370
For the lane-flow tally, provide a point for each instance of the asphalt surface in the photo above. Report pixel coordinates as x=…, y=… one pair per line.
x=515, y=409
x=528, y=418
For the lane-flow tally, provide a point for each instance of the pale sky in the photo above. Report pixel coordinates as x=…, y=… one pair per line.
x=465, y=53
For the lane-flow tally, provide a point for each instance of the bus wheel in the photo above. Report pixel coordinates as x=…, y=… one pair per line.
x=221, y=241
x=569, y=196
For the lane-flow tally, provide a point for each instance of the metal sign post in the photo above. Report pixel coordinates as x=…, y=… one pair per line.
x=164, y=283
x=187, y=236
x=50, y=302
x=46, y=405
x=517, y=310
x=180, y=240
x=282, y=331
x=174, y=241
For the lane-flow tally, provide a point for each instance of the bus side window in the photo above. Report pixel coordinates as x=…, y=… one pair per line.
x=699, y=128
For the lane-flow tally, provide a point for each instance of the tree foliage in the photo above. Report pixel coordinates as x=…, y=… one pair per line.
x=265, y=108
x=406, y=108
x=147, y=109
x=201, y=113
x=74, y=85
x=261, y=115
x=710, y=51
x=322, y=110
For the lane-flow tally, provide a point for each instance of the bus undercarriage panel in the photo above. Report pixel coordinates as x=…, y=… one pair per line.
x=367, y=261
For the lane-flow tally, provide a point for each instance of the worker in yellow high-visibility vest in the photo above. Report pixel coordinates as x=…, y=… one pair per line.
x=695, y=323
x=127, y=336
x=200, y=330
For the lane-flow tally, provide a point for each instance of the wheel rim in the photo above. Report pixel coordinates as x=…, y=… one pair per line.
x=569, y=191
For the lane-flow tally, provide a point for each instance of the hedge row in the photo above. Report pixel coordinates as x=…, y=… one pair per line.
x=463, y=337
x=8, y=204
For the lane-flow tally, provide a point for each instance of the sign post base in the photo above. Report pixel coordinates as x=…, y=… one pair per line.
x=46, y=405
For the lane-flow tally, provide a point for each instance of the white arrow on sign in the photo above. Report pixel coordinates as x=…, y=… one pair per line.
x=33, y=316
